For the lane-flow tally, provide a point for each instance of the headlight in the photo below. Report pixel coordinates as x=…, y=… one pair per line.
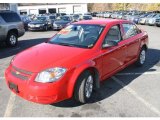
x=50, y=75
x=38, y=25
x=55, y=25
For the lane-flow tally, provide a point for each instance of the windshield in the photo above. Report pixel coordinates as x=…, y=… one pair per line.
x=65, y=18
x=157, y=16
x=86, y=17
x=41, y=18
x=25, y=19
x=78, y=35
x=52, y=17
x=75, y=16
x=150, y=15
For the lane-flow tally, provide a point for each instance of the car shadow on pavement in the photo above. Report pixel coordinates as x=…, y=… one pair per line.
x=109, y=87
x=22, y=45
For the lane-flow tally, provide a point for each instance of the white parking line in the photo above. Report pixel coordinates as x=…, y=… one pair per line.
x=148, y=105
x=145, y=73
x=10, y=105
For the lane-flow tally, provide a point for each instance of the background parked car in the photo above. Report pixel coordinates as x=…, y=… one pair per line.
x=25, y=20
x=152, y=20
x=107, y=15
x=143, y=20
x=149, y=19
x=136, y=19
x=76, y=17
x=87, y=17
x=40, y=23
x=62, y=22
x=52, y=18
x=11, y=27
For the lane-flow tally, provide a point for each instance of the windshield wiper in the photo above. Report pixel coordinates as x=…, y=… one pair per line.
x=71, y=45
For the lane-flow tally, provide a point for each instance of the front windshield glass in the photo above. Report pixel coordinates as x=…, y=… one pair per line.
x=78, y=35
x=150, y=15
x=75, y=16
x=41, y=18
x=157, y=16
x=86, y=17
x=52, y=17
x=65, y=18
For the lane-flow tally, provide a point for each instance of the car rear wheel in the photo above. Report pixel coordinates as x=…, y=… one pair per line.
x=84, y=87
x=12, y=39
x=142, y=57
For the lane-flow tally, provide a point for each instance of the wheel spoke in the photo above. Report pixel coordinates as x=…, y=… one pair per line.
x=89, y=86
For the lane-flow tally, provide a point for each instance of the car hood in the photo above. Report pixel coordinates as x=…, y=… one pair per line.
x=45, y=55
x=61, y=22
x=37, y=22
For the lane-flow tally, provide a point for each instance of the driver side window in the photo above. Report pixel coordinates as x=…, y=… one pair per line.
x=113, y=34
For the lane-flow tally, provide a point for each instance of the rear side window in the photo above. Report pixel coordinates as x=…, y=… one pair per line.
x=130, y=30
x=10, y=17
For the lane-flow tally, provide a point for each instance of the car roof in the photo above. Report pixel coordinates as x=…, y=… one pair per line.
x=100, y=21
x=6, y=11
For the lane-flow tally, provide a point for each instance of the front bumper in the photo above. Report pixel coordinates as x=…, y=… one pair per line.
x=58, y=27
x=44, y=93
x=36, y=28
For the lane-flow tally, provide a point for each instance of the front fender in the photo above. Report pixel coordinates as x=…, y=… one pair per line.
x=78, y=70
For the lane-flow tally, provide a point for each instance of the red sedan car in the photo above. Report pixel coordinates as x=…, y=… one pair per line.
x=75, y=60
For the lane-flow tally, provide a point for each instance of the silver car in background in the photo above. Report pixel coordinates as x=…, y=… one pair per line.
x=11, y=27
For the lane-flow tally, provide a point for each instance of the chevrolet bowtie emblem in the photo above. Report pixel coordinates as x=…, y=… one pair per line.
x=17, y=72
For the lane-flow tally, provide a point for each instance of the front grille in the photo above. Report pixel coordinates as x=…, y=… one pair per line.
x=21, y=74
x=158, y=20
x=22, y=71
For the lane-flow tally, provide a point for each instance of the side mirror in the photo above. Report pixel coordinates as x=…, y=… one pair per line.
x=109, y=44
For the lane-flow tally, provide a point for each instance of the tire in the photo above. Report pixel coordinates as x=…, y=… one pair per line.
x=82, y=86
x=12, y=39
x=158, y=25
x=142, y=57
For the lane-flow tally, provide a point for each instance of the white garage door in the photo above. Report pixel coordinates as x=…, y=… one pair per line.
x=33, y=11
x=62, y=10
x=77, y=9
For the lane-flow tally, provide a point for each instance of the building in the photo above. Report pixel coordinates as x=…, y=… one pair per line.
x=9, y=6
x=53, y=8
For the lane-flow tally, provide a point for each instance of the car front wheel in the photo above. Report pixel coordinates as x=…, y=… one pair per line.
x=142, y=57
x=84, y=87
x=12, y=39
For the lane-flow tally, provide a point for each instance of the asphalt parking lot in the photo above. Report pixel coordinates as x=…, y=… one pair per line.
x=132, y=92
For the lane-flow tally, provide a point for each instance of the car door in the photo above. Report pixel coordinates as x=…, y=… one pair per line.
x=2, y=29
x=131, y=37
x=113, y=57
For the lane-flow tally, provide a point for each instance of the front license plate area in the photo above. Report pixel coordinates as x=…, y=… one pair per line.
x=13, y=86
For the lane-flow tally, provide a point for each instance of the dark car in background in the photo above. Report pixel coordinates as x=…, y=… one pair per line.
x=40, y=23
x=76, y=17
x=51, y=20
x=11, y=27
x=26, y=20
x=87, y=17
x=62, y=22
